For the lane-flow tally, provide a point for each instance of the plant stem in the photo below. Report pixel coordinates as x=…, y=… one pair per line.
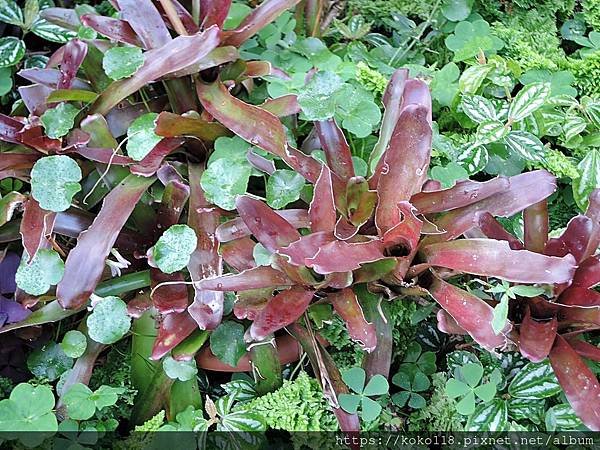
x=196, y=11
x=171, y=13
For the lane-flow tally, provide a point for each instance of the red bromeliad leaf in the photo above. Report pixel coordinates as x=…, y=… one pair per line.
x=462, y=194
x=173, y=125
x=344, y=229
x=261, y=163
x=255, y=278
x=585, y=349
x=282, y=310
x=205, y=262
x=322, y=207
x=406, y=232
x=74, y=54
x=153, y=160
x=214, y=12
x=416, y=92
x=305, y=165
x=525, y=190
x=236, y=228
x=146, y=21
x=173, y=329
x=260, y=17
x=239, y=253
x=177, y=54
x=249, y=303
x=115, y=29
x=346, y=305
x=36, y=225
x=391, y=102
x=488, y=257
x=374, y=271
x=337, y=150
x=269, y=228
x=446, y=324
x=535, y=219
x=579, y=315
x=18, y=160
x=283, y=106
x=64, y=17
x=493, y=229
x=184, y=16
x=51, y=78
x=343, y=256
x=306, y=247
x=578, y=382
x=574, y=240
x=471, y=313
x=593, y=212
x=10, y=129
x=35, y=98
x=579, y=296
x=405, y=165
x=103, y=155
x=536, y=337
x=587, y=274
x=85, y=263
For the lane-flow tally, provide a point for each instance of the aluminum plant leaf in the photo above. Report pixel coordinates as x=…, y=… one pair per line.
x=260, y=17
x=488, y=257
x=282, y=310
x=578, y=382
x=405, y=165
x=173, y=56
x=536, y=337
x=236, y=228
x=214, y=12
x=471, y=313
x=255, y=278
x=114, y=29
x=346, y=305
x=85, y=263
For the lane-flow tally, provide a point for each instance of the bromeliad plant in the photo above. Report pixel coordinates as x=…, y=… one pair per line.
x=394, y=231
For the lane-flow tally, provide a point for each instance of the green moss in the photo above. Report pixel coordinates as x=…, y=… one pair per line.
x=559, y=213
x=142, y=434
x=591, y=13
x=587, y=73
x=343, y=350
x=400, y=311
x=559, y=164
x=376, y=10
x=6, y=386
x=298, y=405
x=440, y=412
x=371, y=79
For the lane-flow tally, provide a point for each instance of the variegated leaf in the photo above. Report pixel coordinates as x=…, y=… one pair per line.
x=471, y=79
x=589, y=168
x=526, y=145
x=473, y=158
x=490, y=131
x=52, y=32
x=11, y=13
x=561, y=417
x=491, y=416
x=478, y=108
x=529, y=99
x=573, y=125
x=535, y=380
x=12, y=51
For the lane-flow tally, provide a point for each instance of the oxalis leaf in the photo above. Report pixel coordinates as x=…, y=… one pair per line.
x=180, y=370
x=12, y=51
x=45, y=270
x=28, y=411
x=54, y=182
x=122, y=62
x=227, y=342
x=141, y=138
x=60, y=120
x=74, y=343
x=82, y=402
x=173, y=249
x=108, y=321
x=284, y=187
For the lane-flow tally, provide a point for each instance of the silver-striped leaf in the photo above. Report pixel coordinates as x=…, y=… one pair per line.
x=478, y=108
x=589, y=169
x=471, y=79
x=12, y=51
x=490, y=131
x=535, y=380
x=11, y=13
x=527, y=100
x=492, y=416
x=526, y=145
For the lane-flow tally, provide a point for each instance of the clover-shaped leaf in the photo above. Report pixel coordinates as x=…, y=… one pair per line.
x=470, y=38
x=284, y=187
x=108, y=321
x=356, y=110
x=74, y=343
x=28, y=412
x=141, y=138
x=416, y=359
x=54, y=182
x=122, y=62
x=46, y=269
x=355, y=379
x=60, y=120
x=82, y=402
x=173, y=249
x=49, y=361
x=180, y=370
x=466, y=386
x=412, y=381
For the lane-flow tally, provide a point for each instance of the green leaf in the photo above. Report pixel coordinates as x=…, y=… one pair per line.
x=473, y=158
x=74, y=343
x=49, y=362
x=378, y=385
x=471, y=79
x=370, y=409
x=528, y=100
x=444, y=85
x=420, y=382
x=527, y=291
x=356, y=111
x=478, y=108
x=535, y=380
x=122, y=62
x=106, y=396
x=561, y=417
x=262, y=256
x=11, y=13
x=472, y=373
x=243, y=420
x=490, y=131
x=469, y=38
x=6, y=81
x=12, y=51
x=526, y=145
x=526, y=409
x=400, y=398
x=180, y=370
x=456, y=388
x=45, y=270
x=417, y=401
x=500, y=315
x=224, y=180
x=30, y=12
x=317, y=98
x=489, y=417
x=355, y=379
x=78, y=401
x=227, y=342
x=485, y=392
x=573, y=125
x=173, y=249
x=448, y=175
x=60, y=120
x=108, y=321
x=467, y=405
x=141, y=138
x=54, y=182
x=52, y=32
x=589, y=168
x=456, y=10
x=284, y=187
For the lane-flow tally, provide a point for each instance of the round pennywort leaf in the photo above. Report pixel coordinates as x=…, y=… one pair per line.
x=54, y=182
x=122, y=62
x=74, y=343
x=109, y=321
x=49, y=362
x=45, y=270
x=141, y=138
x=59, y=121
x=180, y=370
x=173, y=249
